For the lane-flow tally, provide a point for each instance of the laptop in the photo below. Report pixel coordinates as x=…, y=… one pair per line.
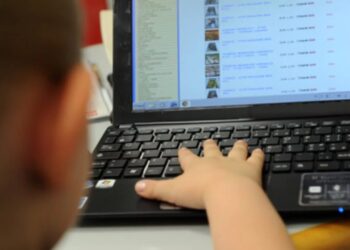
x=271, y=73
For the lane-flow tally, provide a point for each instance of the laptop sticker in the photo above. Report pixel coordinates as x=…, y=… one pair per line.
x=325, y=189
x=105, y=184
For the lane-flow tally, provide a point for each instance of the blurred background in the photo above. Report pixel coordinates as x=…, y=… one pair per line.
x=92, y=10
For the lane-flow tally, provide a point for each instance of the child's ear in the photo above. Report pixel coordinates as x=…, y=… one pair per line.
x=61, y=128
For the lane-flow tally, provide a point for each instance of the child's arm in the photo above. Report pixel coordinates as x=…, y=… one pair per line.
x=229, y=188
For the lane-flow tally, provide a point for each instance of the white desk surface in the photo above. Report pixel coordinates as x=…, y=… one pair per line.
x=169, y=237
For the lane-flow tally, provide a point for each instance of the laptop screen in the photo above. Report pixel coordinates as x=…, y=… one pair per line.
x=215, y=53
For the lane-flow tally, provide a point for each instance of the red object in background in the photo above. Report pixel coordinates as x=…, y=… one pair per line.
x=92, y=32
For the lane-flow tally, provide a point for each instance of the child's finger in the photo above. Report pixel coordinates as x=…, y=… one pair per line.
x=257, y=158
x=186, y=158
x=211, y=149
x=239, y=151
x=156, y=190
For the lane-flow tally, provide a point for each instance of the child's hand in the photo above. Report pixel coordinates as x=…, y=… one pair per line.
x=202, y=175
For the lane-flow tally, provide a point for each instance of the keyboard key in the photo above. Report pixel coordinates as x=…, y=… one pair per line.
x=269, y=141
x=227, y=143
x=273, y=149
x=210, y=129
x=226, y=151
x=304, y=157
x=174, y=162
x=311, y=124
x=312, y=139
x=302, y=131
x=227, y=129
x=131, y=146
x=170, y=153
x=154, y=172
x=329, y=123
x=327, y=166
x=133, y=172
x=281, y=133
x=173, y=171
x=303, y=166
x=190, y=144
x=130, y=132
x=293, y=125
x=241, y=135
x=161, y=131
x=195, y=151
x=126, y=139
x=280, y=167
x=110, y=140
x=252, y=148
x=178, y=131
x=260, y=127
x=144, y=138
x=112, y=173
x=202, y=136
x=117, y=164
x=283, y=157
x=346, y=166
x=343, y=156
x=145, y=131
x=345, y=122
x=252, y=142
x=325, y=156
x=113, y=132
x=170, y=145
x=150, y=145
x=347, y=138
x=151, y=154
x=183, y=137
x=194, y=130
x=131, y=154
x=333, y=138
x=277, y=126
x=157, y=162
x=261, y=134
x=338, y=147
x=95, y=173
x=316, y=147
x=294, y=148
x=98, y=164
x=291, y=140
x=323, y=130
x=137, y=163
x=110, y=148
x=243, y=128
x=221, y=135
x=108, y=156
x=163, y=137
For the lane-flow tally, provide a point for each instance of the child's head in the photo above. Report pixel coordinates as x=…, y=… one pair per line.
x=43, y=95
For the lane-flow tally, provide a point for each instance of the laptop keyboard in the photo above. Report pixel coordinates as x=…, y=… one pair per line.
x=308, y=146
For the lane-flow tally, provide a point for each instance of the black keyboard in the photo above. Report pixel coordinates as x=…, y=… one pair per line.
x=290, y=146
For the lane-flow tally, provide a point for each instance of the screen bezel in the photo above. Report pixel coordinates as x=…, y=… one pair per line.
x=122, y=75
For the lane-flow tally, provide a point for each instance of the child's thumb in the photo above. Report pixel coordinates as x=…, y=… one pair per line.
x=157, y=190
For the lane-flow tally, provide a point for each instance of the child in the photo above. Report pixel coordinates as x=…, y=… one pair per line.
x=44, y=92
